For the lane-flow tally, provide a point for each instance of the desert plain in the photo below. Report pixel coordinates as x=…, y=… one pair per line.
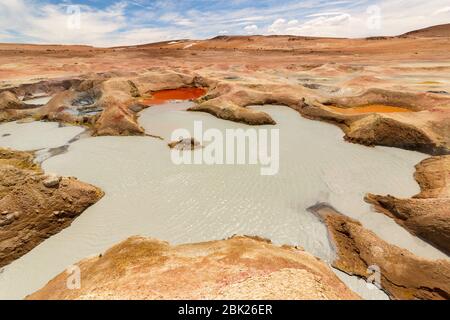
x=363, y=188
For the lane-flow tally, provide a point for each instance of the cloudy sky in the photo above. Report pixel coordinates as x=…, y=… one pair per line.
x=120, y=22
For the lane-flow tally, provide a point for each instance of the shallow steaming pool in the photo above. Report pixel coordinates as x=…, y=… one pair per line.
x=148, y=195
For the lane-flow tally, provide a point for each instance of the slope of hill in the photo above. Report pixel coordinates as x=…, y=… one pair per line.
x=442, y=30
x=302, y=43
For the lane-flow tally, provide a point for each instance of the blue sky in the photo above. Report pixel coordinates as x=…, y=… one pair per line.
x=122, y=22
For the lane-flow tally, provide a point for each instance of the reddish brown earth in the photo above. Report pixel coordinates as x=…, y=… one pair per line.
x=34, y=206
x=356, y=84
x=307, y=74
x=403, y=275
x=426, y=215
x=442, y=30
x=237, y=268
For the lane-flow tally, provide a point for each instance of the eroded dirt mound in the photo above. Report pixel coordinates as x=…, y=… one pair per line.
x=442, y=30
x=105, y=88
x=425, y=128
x=34, y=206
x=237, y=268
x=9, y=100
x=402, y=274
x=108, y=104
x=426, y=215
x=11, y=108
x=229, y=101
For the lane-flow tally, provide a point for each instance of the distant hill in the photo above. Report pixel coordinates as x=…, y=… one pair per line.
x=442, y=30
x=244, y=42
x=284, y=42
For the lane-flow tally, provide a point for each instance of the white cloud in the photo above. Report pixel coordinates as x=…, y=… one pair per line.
x=278, y=26
x=251, y=29
x=176, y=19
x=442, y=10
x=387, y=18
x=51, y=24
x=127, y=22
x=320, y=26
x=324, y=14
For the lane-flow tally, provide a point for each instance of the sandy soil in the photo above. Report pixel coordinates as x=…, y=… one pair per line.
x=306, y=74
x=334, y=80
x=237, y=268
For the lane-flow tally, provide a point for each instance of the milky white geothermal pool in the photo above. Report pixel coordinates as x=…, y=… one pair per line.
x=148, y=195
x=40, y=101
x=36, y=135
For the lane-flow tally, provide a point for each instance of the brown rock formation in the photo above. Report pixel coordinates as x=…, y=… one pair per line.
x=426, y=215
x=402, y=274
x=11, y=108
x=228, y=101
x=102, y=104
x=108, y=103
x=120, y=96
x=34, y=206
x=237, y=268
x=185, y=144
x=117, y=119
x=8, y=100
x=426, y=128
x=442, y=30
x=306, y=74
x=427, y=131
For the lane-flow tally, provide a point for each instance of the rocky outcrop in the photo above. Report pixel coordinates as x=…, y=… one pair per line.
x=34, y=206
x=11, y=108
x=109, y=106
x=425, y=128
x=185, y=144
x=104, y=105
x=228, y=101
x=402, y=275
x=117, y=119
x=389, y=130
x=9, y=100
x=237, y=268
x=47, y=87
x=411, y=101
x=108, y=100
x=426, y=215
x=158, y=80
x=109, y=103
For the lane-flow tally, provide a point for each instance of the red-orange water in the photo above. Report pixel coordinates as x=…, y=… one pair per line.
x=164, y=96
x=369, y=109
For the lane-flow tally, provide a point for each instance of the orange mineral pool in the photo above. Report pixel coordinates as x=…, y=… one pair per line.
x=372, y=108
x=160, y=97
